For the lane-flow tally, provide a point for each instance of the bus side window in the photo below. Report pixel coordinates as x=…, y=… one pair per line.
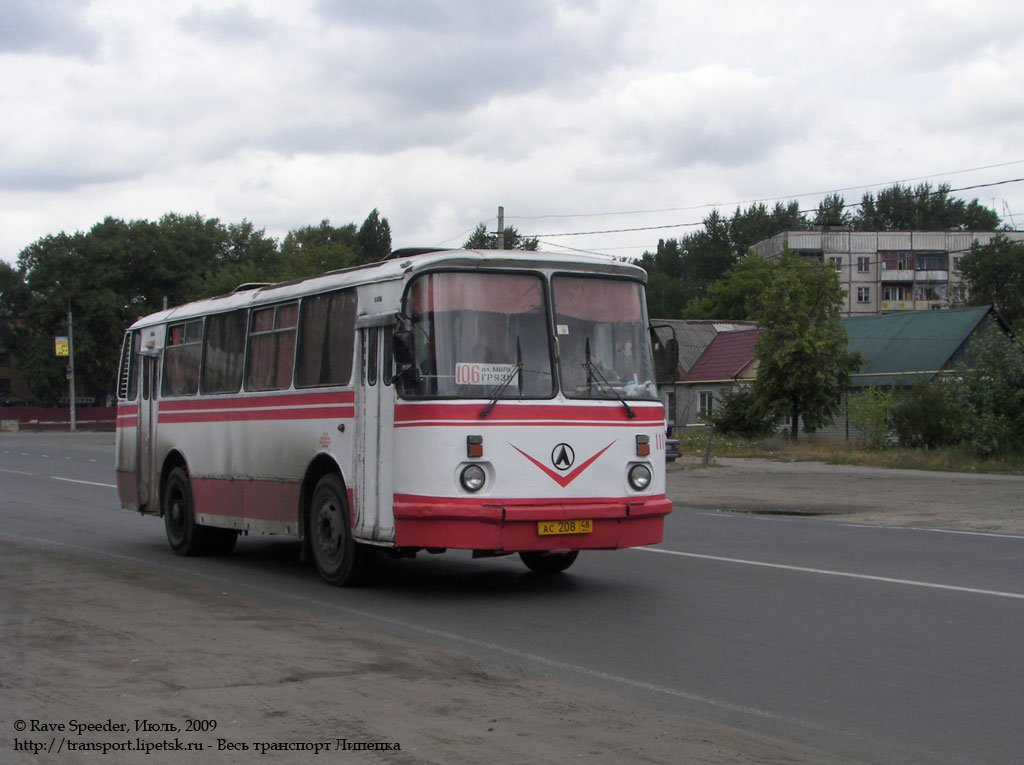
x=372, y=357
x=128, y=374
x=223, y=350
x=147, y=382
x=326, y=339
x=181, y=359
x=271, y=347
x=388, y=370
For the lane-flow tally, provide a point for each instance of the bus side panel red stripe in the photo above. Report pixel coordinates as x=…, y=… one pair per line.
x=271, y=500
x=127, y=416
x=528, y=414
x=217, y=496
x=252, y=402
x=261, y=500
x=258, y=415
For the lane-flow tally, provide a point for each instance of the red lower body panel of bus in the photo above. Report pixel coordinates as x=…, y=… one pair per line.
x=519, y=525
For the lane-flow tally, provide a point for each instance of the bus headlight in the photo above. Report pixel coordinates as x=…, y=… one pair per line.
x=472, y=478
x=639, y=477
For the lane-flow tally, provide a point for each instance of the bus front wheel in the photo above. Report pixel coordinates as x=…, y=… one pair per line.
x=338, y=558
x=548, y=563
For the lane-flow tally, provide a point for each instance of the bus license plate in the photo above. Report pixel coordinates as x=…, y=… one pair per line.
x=554, y=528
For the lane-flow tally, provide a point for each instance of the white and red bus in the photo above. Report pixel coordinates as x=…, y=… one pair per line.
x=494, y=401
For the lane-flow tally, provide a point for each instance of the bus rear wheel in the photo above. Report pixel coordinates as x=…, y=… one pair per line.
x=339, y=559
x=185, y=536
x=548, y=563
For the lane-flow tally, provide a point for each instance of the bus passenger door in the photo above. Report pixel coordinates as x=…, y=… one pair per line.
x=374, y=439
x=148, y=501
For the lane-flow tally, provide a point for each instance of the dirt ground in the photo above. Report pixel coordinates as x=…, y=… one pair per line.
x=108, y=644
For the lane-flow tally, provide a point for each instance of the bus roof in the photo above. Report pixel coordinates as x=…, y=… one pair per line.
x=398, y=265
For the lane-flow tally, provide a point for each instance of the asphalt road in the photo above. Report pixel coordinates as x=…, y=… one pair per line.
x=879, y=643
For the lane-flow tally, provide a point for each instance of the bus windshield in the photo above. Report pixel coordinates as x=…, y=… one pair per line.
x=603, y=346
x=479, y=335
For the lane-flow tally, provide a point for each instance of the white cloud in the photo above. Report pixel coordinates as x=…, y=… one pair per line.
x=437, y=112
x=53, y=27
x=714, y=114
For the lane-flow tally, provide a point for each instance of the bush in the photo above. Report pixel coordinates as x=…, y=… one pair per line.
x=738, y=415
x=871, y=414
x=925, y=416
x=990, y=396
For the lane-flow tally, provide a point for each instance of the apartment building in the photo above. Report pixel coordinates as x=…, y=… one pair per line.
x=887, y=271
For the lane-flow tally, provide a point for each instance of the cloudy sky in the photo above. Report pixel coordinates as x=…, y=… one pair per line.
x=619, y=116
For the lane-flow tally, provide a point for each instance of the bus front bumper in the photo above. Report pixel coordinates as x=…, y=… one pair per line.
x=515, y=526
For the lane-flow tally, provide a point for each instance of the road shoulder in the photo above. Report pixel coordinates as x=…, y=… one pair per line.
x=917, y=498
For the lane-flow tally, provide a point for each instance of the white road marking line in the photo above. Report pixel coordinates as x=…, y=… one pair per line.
x=934, y=531
x=844, y=574
x=89, y=483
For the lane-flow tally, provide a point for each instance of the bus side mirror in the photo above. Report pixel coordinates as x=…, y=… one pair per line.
x=402, y=346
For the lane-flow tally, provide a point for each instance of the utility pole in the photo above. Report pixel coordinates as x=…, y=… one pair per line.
x=71, y=365
x=501, y=227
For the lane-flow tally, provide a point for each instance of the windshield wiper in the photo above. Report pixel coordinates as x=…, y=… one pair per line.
x=592, y=369
x=517, y=369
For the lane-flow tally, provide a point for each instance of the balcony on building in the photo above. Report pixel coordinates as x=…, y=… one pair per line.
x=931, y=266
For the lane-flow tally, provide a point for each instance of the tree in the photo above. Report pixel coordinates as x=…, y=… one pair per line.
x=665, y=286
x=187, y=251
x=736, y=413
x=989, y=395
x=482, y=239
x=803, y=361
x=119, y=271
x=312, y=250
x=707, y=255
x=832, y=212
x=52, y=279
x=374, y=238
x=747, y=228
x=682, y=272
x=736, y=295
x=994, y=274
x=901, y=208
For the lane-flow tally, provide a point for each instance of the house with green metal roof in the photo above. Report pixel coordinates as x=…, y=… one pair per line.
x=904, y=348
x=899, y=350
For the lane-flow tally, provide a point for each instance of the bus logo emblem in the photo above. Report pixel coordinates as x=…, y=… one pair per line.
x=562, y=457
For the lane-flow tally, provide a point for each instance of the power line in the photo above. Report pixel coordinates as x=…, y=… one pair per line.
x=765, y=199
x=685, y=225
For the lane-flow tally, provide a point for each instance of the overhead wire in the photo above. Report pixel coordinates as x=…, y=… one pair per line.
x=765, y=199
x=692, y=224
x=802, y=211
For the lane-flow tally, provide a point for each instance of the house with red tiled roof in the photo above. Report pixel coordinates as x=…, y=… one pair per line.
x=727, y=361
x=678, y=344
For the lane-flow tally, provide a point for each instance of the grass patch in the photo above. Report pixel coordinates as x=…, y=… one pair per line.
x=693, y=444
